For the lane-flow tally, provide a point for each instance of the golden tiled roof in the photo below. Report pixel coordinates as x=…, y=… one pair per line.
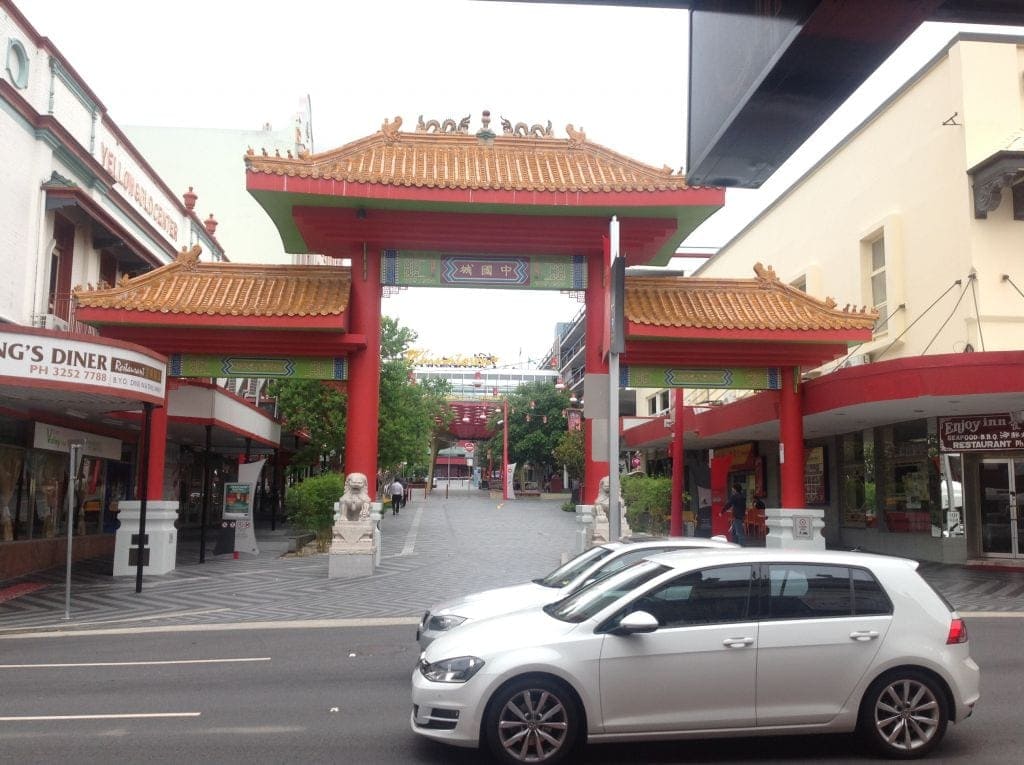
x=517, y=160
x=187, y=286
x=763, y=303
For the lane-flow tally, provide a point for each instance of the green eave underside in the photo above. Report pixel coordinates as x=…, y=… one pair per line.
x=278, y=205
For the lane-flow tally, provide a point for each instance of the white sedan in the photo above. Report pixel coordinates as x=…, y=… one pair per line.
x=589, y=565
x=708, y=644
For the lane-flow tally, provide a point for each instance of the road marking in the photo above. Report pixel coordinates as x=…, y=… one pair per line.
x=304, y=624
x=132, y=663
x=414, y=530
x=126, y=716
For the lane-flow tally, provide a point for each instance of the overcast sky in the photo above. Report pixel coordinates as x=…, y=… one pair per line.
x=620, y=73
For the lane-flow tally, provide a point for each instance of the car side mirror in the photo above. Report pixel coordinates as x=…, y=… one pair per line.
x=636, y=623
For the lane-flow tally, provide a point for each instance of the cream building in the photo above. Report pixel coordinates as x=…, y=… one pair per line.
x=919, y=214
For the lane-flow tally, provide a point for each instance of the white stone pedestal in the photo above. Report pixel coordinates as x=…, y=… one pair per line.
x=163, y=537
x=794, y=529
x=353, y=552
x=585, y=527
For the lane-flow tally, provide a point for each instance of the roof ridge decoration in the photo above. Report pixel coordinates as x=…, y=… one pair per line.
x=764, y=302
x=446, y=154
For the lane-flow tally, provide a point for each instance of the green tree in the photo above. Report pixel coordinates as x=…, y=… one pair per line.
x=317, y=408
x=409, y=413
x=569, y=452
x=536, y=424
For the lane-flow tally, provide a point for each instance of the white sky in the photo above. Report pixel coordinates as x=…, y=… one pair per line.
x=620, y=73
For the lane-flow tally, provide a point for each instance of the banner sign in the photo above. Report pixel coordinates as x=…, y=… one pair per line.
x=58, y=439
x=752, y=378
x=189, y=365
x=79, y=364
x=510, y=474
x=980, y=433
x=434, y=269
x=237, y=497
x=574, y=418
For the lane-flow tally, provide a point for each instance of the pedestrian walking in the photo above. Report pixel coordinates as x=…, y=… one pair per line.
x=397, y=496
x=737, y=505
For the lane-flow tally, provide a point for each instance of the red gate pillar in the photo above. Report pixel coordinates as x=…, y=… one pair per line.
x=157, y=436
x=791, y=439
x=596, y=364
x=676, y=523
x=364, y=370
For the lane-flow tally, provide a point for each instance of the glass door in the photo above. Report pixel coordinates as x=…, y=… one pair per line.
x=1002, y=507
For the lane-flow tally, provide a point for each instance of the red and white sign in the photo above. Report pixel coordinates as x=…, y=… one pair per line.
x=469, y=447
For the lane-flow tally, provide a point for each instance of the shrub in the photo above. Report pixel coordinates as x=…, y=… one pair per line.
x=648, y=503
x=310, y=505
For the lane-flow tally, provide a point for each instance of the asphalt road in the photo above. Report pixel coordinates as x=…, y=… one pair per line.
x=316, y=695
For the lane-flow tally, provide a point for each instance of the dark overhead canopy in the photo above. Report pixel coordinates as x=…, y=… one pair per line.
x=759, y=85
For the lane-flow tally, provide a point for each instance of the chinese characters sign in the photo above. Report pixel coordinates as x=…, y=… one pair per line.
x=434, y=269
x=677, y=377
x=190, y=365
x=980, y=433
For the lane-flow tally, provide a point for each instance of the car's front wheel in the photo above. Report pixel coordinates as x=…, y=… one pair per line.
x=903, y=715
x=533, y=719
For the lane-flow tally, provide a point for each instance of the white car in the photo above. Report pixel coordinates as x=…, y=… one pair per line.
x=708, y=644
x=589, y=565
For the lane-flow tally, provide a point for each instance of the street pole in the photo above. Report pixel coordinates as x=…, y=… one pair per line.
x=616, y=340
x=74, y=458
x=504, y=451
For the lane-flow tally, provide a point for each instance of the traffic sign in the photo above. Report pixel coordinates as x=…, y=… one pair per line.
x=469, y=447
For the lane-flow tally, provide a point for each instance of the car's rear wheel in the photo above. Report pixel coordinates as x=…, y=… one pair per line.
x=533, y=719
x=903, y=715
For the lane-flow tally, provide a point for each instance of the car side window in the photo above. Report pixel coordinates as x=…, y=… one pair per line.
x=869, y=598
x=711, y=596
x=808, y=591
x=627, y=559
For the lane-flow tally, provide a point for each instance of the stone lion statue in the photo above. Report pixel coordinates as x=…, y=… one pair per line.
x=602, y=502
x=355, y=502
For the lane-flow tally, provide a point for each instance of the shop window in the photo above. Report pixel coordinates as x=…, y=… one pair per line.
x=857, y=466
x=909, y=484
x=652, y=405
x=663, y=400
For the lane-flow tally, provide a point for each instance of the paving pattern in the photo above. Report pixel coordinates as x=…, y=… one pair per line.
x=435, y=549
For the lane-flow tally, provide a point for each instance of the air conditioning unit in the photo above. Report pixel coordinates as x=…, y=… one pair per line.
x=55, y=322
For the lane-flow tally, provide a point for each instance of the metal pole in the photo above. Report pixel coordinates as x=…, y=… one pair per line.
x=504, y=452
x=143, y=494
x=614, y=513
x=206, y=496
x=74, y=455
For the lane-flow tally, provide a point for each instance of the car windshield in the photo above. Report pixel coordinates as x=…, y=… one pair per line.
x=588, y=601
x=565, y=573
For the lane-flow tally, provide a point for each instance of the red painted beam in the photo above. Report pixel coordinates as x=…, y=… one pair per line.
x=156, y=322
x=615, y=202
x=262, y=344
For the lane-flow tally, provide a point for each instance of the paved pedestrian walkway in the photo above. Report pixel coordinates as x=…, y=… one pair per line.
x=435, y=549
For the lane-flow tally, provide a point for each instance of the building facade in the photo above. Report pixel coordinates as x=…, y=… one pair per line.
x=81, y=205
x=914, y=439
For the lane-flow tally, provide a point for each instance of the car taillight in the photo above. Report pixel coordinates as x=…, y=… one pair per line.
x=957, y=632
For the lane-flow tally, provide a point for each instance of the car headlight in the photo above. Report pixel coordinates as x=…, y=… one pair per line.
x=444, y=622
x=457, y=670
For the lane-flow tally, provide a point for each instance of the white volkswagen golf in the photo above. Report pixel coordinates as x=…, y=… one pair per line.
x=708, y=644
x=589, y=565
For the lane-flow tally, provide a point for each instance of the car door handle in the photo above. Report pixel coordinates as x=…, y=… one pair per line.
x=864, y=635
x=737, y=642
